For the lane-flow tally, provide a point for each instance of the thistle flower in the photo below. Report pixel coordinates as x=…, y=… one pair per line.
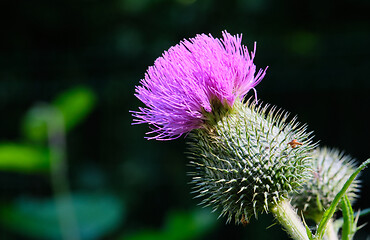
x=193, y=82
x=246, y=159
x=246, y=163
x=330, y=170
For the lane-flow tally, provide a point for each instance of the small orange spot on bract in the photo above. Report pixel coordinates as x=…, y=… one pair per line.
x=294, y=143
x=244, y=221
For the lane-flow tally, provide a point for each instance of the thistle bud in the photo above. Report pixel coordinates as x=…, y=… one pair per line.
x=246, y=159
x=249, y=160
x=330, y=170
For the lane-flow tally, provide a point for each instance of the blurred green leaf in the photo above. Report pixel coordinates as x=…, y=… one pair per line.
x=34, y=124
x=363, y=213
x=74, y=105
x=180, y=225
x=189, y=225
x=96, y=215
x=147, y=234
x=23, y=158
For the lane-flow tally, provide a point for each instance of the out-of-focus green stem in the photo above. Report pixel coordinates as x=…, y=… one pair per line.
x=58, y=173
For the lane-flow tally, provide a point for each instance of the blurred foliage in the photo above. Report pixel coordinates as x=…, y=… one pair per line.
x=179, y=225
x=318, y=58
x=23, y=158
x=74, y=104
x=97, y=214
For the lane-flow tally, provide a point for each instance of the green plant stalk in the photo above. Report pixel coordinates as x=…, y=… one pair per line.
x=288, y=218
x=58, y=174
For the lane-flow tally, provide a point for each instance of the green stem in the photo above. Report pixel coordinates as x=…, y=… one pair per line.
x=58, y=172
x=289, y=219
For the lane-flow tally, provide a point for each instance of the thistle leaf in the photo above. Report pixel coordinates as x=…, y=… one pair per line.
x=331, y=210
x=308, y=231
x=348, y=220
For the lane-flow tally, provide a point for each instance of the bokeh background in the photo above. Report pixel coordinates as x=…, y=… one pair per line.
x=79, y=60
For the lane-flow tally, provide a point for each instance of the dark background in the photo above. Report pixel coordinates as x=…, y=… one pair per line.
x=318, y=56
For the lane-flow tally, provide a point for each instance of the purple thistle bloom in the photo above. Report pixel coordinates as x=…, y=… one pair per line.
x=190, y=77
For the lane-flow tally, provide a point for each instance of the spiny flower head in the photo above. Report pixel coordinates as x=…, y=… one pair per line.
x=330, y=170
x=194, y=81
x=246, y=163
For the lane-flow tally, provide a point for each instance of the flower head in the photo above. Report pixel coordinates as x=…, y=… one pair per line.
x=192, y=80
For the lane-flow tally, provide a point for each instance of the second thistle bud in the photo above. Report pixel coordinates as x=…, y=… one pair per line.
x=249, y=160
x=330, y=170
